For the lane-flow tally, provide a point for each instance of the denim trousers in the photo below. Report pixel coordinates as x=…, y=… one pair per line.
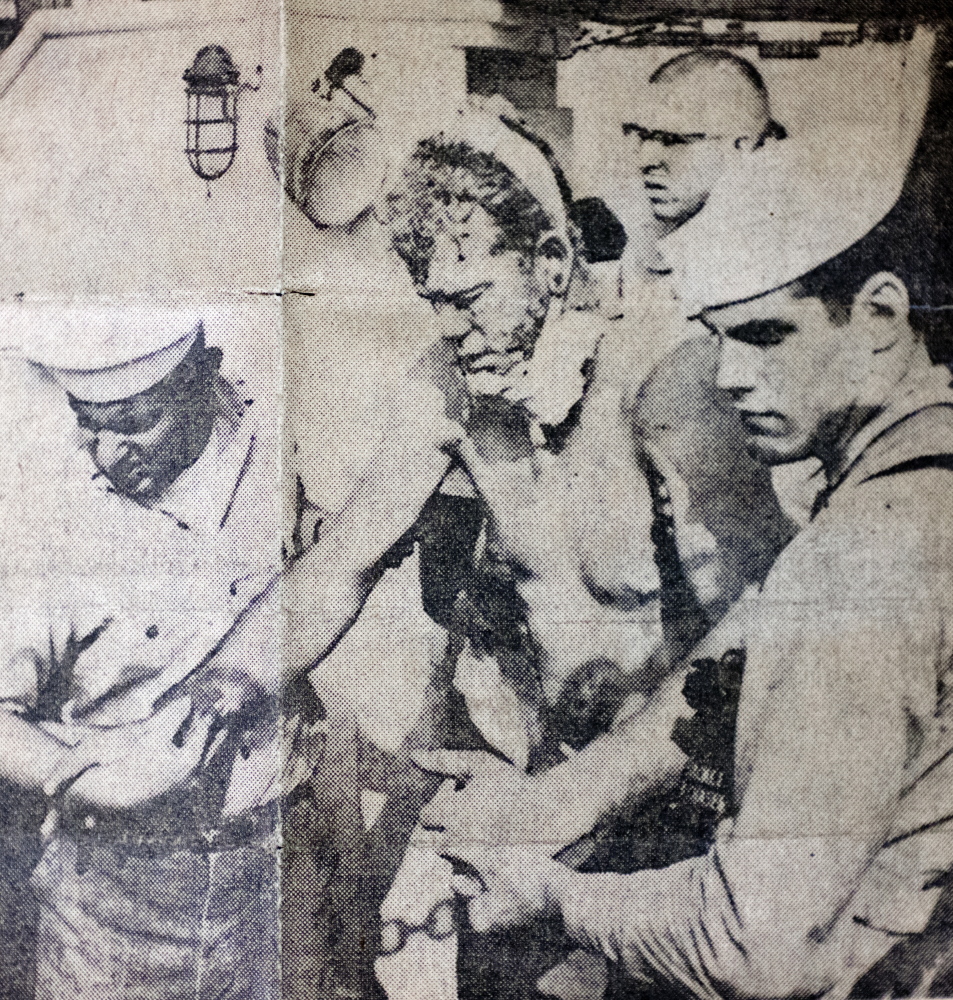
x=186, y=925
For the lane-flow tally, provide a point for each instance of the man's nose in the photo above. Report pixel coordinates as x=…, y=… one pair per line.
x=448, y=265
x=454, y=325
x=737, y=367
x=652, y=156
x=473, y=344
x=110, y=448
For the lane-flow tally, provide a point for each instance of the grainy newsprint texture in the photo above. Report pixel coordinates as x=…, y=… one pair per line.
x=476, y=500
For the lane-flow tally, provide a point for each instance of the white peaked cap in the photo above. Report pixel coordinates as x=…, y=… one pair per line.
x=784, y=210
x=99, y=353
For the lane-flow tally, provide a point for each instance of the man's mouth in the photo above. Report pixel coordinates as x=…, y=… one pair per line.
x=499, y=362
x=131, y=478
x=764, y=423
x=136, y=483
x=658, y=194
x=484, y=363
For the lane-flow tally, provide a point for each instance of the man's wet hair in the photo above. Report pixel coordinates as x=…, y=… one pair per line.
x=443, y=171
x=686, y=64
x=194, y=377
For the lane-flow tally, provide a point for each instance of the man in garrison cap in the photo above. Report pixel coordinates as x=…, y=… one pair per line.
x=813, y=731
x=160, y=873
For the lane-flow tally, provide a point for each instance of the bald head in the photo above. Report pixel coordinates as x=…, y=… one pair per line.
x=713, y=91
x=699, y=110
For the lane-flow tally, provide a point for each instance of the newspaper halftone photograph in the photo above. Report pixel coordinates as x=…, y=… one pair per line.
x=476, y=500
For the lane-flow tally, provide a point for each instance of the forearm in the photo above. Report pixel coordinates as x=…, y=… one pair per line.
x=299, y=618
x=744, y=920
x=322, y=594
x=651, y=922
x=628, y=763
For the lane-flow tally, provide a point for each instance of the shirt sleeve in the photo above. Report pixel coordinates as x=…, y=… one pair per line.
x=840, y=657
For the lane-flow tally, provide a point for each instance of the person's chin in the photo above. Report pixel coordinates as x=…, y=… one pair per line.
x=485, y=382
x=143, y=489
x=665, y=209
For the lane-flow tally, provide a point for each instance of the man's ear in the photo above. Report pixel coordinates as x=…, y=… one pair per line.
x=554, y=262
x=883, y=304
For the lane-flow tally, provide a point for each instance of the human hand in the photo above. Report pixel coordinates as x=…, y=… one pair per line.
x=494, y=803
x=491, y=831
x=128, y=766
x=282, y=753
x=506, y=885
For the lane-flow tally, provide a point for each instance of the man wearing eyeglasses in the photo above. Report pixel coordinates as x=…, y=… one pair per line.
x=703, y=108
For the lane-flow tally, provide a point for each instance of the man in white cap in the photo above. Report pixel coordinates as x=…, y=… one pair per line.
x=820, y=742
x=160, y=875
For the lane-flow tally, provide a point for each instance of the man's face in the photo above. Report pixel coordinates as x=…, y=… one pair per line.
x=495, y=298
x=792, y=372
x=679, y=169
x=142, y=444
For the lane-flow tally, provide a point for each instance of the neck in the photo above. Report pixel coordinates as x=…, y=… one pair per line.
x=837, y=434
x=665, y=227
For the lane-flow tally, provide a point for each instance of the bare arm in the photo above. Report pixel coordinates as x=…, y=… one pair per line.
x=628, y=763
x=501, y=805
x=306, y=610
x=832, y=665
x=32, y=758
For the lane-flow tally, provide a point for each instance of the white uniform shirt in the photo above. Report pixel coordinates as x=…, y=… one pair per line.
x=160, y=586
x=843, y=747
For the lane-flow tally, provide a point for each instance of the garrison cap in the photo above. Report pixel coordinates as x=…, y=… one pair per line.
x=777, y=215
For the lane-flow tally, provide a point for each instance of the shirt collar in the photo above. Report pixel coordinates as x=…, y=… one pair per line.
x=869, y=450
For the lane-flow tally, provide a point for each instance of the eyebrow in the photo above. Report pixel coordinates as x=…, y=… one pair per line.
x=659, y=135
x=113, y=406
x=761, y=332
x=88, y=409
x=105, y=414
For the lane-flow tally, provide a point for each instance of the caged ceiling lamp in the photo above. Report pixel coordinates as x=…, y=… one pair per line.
x=211, y=123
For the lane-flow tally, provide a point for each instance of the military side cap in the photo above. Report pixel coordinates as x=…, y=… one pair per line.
x=786, y=209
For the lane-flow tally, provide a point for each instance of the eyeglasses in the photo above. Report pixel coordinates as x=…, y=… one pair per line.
x=439, y=925
x=773, y=130
x=665, y=138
